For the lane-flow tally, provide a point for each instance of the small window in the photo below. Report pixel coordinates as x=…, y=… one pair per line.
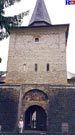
x=0, y=59
x=36, y=39
x=65, y=127
x=35, y=67
x=47, y=67
x=24, y=66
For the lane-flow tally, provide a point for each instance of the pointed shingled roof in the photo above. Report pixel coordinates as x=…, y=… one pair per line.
x=40, y=16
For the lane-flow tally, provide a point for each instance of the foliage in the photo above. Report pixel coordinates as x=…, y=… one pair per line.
x=2, y=73
x=7, y=22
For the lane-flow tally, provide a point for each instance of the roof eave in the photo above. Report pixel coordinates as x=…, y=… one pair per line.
x=40, y=22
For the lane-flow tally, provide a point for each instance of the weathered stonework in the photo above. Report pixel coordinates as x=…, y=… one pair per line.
x=9, y=100
x=24, y=53
x=59, y=104
x=36, y=90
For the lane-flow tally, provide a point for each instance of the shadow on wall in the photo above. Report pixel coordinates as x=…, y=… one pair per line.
x=62, y=111
x=8, y=111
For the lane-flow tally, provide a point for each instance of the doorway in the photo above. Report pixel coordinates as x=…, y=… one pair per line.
x=35, y=118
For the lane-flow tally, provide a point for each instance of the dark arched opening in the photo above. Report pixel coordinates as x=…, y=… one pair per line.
x=35, y=118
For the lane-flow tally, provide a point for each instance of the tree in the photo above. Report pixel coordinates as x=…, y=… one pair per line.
x=7, y=22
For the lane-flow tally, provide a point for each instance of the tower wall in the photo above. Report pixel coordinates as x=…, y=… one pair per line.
x=41, y=46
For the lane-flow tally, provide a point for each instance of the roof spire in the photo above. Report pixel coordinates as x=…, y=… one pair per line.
x=40, y=16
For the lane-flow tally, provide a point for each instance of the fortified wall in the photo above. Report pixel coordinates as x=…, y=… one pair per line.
x=36, y=88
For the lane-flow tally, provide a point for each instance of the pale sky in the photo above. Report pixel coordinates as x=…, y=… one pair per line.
x=59, y=14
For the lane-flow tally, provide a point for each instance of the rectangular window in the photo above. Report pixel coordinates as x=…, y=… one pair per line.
x=47, y=67
x=35, y=67
x=65, y=127
x=36, y=39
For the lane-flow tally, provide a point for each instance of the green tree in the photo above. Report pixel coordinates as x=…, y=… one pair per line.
x=7, y=22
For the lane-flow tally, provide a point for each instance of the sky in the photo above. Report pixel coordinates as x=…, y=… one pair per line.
x=59, y=14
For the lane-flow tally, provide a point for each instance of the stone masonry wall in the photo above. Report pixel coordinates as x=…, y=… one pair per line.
x=9, y=100
x=24, y=53
x=59, y=105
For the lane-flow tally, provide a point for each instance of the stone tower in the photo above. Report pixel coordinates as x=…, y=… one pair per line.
x=37, y=76
x=37, y=53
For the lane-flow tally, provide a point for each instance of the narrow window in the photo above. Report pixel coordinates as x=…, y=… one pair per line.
x=47, y=67
x=36, y=39
x=35, y=67
x=0, y=59
x=24, y=66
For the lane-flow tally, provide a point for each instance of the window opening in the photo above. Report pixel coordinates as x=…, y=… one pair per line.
x=35, y=67
x=47, y=67
x=0, y=59
x=36, y=39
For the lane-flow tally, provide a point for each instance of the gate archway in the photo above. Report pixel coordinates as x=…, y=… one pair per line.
x=35, y=118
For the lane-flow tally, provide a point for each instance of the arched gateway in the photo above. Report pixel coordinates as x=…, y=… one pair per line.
x=35, y=118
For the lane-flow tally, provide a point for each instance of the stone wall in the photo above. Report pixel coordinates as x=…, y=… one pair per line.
x=57, y=101
x=25, y=52
x=9, y=100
